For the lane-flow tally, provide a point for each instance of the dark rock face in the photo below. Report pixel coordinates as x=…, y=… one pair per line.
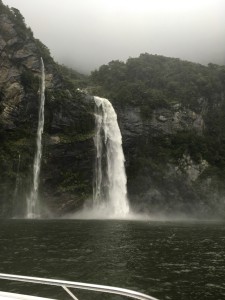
x=157, y=182
x=163, y=121
x=68, y=149
x=68, y=155
x=169, y=169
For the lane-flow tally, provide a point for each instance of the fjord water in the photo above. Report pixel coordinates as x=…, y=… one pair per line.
x=110, y=183
x=164, y=259
x=33, y=208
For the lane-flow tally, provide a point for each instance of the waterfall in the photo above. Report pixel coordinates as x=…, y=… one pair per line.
x=33, y=207
x=110, y=190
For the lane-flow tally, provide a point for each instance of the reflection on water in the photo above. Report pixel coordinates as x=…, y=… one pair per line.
x=166, y=260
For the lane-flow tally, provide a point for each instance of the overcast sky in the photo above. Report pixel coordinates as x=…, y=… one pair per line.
x=85, y=34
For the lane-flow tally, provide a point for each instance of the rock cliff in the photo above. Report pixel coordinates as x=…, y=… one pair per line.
x=66, y=173
x=173, y=131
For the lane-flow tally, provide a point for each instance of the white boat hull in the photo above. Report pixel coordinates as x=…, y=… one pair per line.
x=12, y=296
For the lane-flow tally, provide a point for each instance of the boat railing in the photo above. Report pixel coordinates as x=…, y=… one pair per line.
x=78, y=285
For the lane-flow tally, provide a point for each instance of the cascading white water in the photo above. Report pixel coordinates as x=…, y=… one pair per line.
x=33, y=206
x=110, y=184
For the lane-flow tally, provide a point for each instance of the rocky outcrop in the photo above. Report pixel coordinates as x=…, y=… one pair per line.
x=68, y=149
x=168, y=145
x=163, y=121
x=161, y=177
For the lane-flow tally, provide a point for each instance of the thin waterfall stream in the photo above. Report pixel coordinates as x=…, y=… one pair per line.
x=110, y=182
x=33, y=205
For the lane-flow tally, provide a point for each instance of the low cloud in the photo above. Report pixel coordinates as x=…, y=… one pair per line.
x=86, y=34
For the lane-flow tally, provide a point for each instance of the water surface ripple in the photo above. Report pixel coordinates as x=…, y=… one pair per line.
x=166, y=260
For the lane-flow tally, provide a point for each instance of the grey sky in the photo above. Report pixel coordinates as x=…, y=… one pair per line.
x=85, y=34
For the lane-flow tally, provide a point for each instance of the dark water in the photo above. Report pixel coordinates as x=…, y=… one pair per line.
x=165, y=260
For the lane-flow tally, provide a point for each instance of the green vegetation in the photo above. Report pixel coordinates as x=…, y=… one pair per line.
x=15, y=144
x=29, y=81
x=17, y=18
x=43, y=52
x=73, y=182
x=4, y=8
x=148, y=86
x=71, y=78
x=153, y=81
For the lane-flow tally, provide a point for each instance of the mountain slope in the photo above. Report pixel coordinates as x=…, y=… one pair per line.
x=172, y=116
x=69, y=125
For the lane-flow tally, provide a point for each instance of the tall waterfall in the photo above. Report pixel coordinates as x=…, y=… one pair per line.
x=110, y=191
x=33, y=206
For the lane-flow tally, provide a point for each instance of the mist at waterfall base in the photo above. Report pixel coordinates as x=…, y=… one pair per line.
x=110, y=182
x=110, y=199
